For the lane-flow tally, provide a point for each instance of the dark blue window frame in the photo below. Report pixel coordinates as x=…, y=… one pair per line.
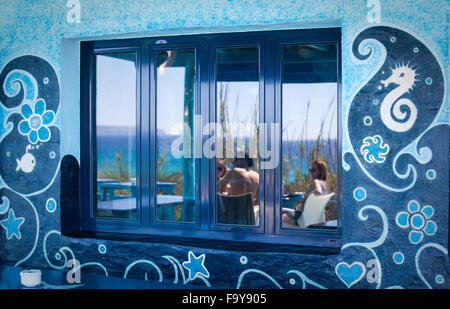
x=213, y=119
x=153, y=141
x=269, y=230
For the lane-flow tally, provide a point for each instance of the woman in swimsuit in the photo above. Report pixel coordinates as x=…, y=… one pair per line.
x=319, y=186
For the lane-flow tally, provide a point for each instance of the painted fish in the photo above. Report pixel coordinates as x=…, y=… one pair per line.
x=27, y=162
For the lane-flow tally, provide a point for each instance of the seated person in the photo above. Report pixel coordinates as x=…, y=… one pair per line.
x=319, y=186
x=240, y=179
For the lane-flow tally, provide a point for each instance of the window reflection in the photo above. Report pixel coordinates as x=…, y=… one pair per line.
x=237, y=114
x=175, y=113
x=309, y=138
x=115, y=101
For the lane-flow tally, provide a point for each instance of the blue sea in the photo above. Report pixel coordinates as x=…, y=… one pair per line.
x=110, y=143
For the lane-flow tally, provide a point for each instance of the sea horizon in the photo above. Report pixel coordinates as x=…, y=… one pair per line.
x=116, y=140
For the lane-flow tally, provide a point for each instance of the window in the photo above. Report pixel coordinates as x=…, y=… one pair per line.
x=115, y=139
x=216, y=136
x=176, y=178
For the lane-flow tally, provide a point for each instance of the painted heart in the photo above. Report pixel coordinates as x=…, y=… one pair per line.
x=350, y=274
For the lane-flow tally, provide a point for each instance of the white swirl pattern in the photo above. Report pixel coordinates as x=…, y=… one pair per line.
x=18, y=78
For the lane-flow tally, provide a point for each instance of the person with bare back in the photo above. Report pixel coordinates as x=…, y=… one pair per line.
x=240, y=179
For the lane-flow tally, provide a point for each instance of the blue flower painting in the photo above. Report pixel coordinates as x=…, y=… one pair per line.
x=392, y=144
x=418, y=219
x=36, y=121
x=373, y=149
x=30, y=147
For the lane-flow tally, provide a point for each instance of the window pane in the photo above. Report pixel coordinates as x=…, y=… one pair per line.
x=115, y=104
x=237, y=114
x=309, y=133
x=175, y=114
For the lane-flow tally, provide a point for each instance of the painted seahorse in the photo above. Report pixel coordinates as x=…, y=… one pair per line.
x=405, y=77
x=398, y=104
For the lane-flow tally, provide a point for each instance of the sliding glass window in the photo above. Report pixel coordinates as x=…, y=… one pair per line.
x=175, y=127
x=237, y=119
x=225, y=137
x=309, y=136
x=115, y=139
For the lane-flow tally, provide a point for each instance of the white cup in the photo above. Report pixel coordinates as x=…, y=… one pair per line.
x=31, y=277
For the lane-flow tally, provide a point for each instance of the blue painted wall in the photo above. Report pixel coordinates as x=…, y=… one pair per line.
x=396, y=173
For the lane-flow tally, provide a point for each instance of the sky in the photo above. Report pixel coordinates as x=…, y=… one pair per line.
x=116, y=92
x=116, y=96
x=295, y=102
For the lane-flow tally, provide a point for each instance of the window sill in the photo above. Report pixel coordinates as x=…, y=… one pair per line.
x=217, y=244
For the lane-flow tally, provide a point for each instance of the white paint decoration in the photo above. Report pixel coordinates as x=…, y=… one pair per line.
x=398, y=257
x=404, y=76
x=359, y=194
x=368, y=246
x=4, y=205
x=430, y=174
x=419, y=252
x=377, y=155
x=26, y=162
x=364, y=217
x=74, y=14
x=145, y=262
x=51, y=205
x=374, y=12
x=424, y=154
x=102, y=249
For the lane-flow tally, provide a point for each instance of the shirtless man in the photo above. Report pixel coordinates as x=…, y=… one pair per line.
x=240, y=179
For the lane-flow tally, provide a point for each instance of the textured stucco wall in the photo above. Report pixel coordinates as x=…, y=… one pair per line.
x=381, y=193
